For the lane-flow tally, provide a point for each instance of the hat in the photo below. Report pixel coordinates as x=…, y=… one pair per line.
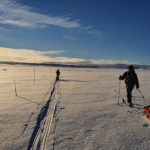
x=131, y=67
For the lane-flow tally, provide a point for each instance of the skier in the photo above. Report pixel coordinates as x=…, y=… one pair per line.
x=57, y=75
x=131, y=80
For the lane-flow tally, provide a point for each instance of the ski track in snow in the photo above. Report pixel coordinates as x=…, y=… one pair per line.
x=26, y=124
x=44, y=120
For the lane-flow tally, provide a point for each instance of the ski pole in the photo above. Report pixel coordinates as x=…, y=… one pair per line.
x=137, y=96
x=119, y=91
x=141, y=93
x=142, y=96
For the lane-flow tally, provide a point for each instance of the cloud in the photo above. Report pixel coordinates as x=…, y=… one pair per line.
x=17, y=23
x=103, y=61
x=13, y=13
x=27, y=56
x=67, y=59
x=23, y=55
x=51, y=52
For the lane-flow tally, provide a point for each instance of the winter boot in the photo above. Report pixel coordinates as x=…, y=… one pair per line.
x=129, y=104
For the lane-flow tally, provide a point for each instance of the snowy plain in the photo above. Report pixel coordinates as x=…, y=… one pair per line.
x=79, y=112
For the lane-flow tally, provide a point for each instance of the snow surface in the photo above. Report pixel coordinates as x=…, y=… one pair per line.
x=79, y=112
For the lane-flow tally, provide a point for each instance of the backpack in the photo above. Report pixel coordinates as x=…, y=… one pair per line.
x=130, y=78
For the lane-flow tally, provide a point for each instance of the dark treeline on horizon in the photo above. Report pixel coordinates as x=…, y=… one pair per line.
x=78, y=65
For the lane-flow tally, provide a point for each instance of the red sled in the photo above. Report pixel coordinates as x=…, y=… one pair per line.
x=147, y=111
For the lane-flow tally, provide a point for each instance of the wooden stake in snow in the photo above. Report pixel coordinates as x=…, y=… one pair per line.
x=15, y=88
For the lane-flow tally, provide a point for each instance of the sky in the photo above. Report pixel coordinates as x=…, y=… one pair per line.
x=97, y=31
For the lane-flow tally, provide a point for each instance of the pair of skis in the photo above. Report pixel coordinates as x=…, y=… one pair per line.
x=134, y=107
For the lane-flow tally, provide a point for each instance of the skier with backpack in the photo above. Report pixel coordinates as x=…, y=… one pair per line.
x=131, y=80
x=57, y=75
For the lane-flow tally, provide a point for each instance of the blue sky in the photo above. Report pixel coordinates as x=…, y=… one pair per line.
x=92, y=30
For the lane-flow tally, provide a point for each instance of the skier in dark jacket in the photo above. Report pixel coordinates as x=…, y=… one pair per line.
x=57, y=75
x=131, y=80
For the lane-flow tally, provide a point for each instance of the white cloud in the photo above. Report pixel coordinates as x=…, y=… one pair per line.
x=27, y=56
x=103, y=61
x=67, y=59
x=50, y=52
x=15, y=14
x=23, y=55
x=17, y=23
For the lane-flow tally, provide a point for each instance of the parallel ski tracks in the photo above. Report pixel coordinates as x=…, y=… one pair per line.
x=44, y=121
x=138, y=109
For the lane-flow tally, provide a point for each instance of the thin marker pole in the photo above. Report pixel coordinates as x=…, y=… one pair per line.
x=119, y=91
x=15, y=88
x=34, y=70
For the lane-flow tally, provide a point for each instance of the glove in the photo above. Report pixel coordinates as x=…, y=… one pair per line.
x=120, y=77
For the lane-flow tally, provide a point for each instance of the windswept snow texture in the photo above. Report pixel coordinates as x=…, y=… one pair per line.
x=79, y=112
x=19, y=115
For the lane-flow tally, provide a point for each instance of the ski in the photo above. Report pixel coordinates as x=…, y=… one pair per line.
x=133, y=107
x=125, y=102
